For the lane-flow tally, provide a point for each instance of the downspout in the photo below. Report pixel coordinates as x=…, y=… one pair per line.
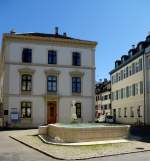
x=144, y=82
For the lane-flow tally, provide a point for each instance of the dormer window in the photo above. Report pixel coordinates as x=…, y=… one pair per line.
x=76, y=59
x=27, y=55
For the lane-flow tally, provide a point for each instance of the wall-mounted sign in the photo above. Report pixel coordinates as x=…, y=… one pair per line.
x=14, y=116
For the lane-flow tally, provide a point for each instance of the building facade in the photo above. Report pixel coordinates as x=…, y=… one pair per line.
x=103, y=98
x=41, y=74
x=129, y=83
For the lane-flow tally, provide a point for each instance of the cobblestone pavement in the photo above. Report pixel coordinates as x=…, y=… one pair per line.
x=141, y=156
x=10, y=150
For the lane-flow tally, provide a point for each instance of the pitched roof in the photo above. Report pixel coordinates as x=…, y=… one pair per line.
x=38, y=34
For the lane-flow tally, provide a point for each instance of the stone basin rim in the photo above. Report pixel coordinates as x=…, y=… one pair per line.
x=90, y=125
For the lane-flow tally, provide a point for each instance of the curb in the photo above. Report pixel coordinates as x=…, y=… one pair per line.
x=72, y=144
x=86, y=158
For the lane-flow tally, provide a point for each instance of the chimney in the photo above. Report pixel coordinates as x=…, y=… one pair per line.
x=65, y=34
x=12, y=31
x=133, y=46
x=56, y=30
x=105, y=80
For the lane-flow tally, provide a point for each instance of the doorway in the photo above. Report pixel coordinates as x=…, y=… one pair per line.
x=51, y=112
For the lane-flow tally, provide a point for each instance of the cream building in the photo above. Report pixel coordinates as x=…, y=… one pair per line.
x=103, y=98
x=129, y=83
x=41, y=74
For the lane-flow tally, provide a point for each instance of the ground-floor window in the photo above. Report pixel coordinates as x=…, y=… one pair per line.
x=125, y=112
x=119, y=112
x=26, y=109
x=78, y=110
x=139, y=111
x=131, y=112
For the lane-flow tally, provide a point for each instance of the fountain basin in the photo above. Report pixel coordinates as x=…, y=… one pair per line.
x=71, y=133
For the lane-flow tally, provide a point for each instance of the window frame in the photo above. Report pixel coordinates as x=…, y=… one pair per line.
x=26, y=81
x=76, y=59
x=119, y=112
x=53, y=56
x=125, y=111
x=25, y=58
x=52, y=82
x=79, y=115
x=75, y=83
x=131, y=111
x=26, y=109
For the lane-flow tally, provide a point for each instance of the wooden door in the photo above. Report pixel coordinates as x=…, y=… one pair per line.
x=51, y=112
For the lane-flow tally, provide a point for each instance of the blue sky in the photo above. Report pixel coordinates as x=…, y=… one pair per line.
x=114, y=24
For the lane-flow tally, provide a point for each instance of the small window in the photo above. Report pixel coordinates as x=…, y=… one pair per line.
x=27, y=55
x=5, y=112
x=124, y=73
x=52, y=57
x=121, y=75
x=117, y=95
x=140, y=64
x=116, y=77
x=141, y=87
x=127, y=91
x=136, y=67
x=51, y=83
x=127, y=72
x=78, y=110
x=121, y=93
x=125, y=112
x=139, y=111
x=130, y=70
x=133, y=68
x=26, y=82
x=119, y=112
x=131, y=112
x=76, y=84
x=76, y=59
x=136, y=89
x=133, y=90
x=26, y=109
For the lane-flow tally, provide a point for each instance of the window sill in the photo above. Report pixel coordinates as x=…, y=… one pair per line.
x=76, y=94
x=76, y=65
x=52, y=93
x=26, y=92
x=26, y=119
x=26, y=62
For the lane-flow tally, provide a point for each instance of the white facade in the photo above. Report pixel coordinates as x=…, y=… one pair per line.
x=12, y=96
x=130, y=86
x=126, y=104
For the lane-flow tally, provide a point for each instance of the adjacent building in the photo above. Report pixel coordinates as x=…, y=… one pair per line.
x=130, y=86
x=41, y=74
x=103, y=98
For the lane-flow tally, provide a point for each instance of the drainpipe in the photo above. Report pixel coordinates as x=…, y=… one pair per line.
x=144, y=83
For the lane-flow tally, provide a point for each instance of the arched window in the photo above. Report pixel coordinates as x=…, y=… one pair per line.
x=26, y=82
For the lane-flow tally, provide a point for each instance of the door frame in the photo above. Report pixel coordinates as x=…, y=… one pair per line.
x=55, y=110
